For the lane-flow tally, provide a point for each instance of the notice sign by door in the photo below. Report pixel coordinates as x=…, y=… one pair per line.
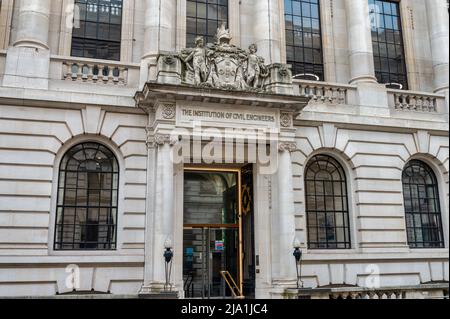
x=219, y=245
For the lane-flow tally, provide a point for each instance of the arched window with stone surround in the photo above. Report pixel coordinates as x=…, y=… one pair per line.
x=327, y=212
x=97, y=30
x=86, y=212
x=203, y=18
x=422, y=207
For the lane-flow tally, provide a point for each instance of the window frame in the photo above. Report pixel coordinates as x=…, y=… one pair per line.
x=347, y=221
x=311, y=65
x=205, y=35
x=114, y=243
x=98, y=42
x=441, y=244
x=379, y=73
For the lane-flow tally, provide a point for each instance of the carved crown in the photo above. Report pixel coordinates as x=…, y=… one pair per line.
x=223, y=33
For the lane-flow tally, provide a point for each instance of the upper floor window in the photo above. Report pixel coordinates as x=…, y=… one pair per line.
x=98, y=32
x=387, y=41
x=204, y=18
x=86, y=215
x=303, y=38
x=327, y=212
x=422, y=208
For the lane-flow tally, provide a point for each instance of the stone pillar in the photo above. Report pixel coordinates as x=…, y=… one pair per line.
x=161, y=226
x=362, y=67
x=28, y=61
x=284, y=275
x=160, y=34
x=438, y=28
x=267, y=29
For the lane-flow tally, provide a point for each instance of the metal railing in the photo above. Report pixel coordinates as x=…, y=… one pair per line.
x=231, y=283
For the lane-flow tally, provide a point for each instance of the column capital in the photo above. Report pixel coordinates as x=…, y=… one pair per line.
x=157, y=140
x=287, y=147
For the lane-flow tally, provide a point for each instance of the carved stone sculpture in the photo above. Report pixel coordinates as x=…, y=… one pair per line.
x=223, y=65
x=198, y=57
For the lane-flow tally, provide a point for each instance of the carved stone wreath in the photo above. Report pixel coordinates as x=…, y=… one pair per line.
x=285, y=120
x=168, y=112
x=169, y=59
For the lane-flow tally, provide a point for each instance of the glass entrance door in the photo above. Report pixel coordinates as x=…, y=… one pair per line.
x=212, y=240
x=207, y=252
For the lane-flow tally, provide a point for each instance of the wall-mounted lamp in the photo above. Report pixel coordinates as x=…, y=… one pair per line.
x=168, y=256
x=298, y=259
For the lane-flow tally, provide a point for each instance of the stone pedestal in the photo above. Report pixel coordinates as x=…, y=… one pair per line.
x=280, y=79
x=28, y=61
x=169, y=69
x=27, y=67
x=159, y=36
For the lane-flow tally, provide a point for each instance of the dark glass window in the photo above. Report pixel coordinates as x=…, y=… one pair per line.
x=422, y=208
x=327, y=204
x=86, y=216
x=99, y=31
x=387, y=41
x=303, y=38
x=203, y=18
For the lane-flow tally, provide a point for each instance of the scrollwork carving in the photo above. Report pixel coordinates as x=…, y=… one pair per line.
x=287, y=147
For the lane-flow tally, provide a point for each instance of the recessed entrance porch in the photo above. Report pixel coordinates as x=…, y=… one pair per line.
x=218, y=236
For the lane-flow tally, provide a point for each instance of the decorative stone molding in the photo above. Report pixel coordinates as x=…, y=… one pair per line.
x=162, y=139
x=169, y=59
x=286, y=120
x=168, y=111
x=287, y=147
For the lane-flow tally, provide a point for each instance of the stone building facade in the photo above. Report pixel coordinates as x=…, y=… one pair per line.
x=353, y=96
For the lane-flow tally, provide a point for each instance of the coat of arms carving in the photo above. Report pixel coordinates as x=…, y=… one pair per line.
x=223, y=65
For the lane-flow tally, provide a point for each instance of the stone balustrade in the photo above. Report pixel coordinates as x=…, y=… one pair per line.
x=322, y=92
x=423, y=291
x=95, y=71
x=414, y=101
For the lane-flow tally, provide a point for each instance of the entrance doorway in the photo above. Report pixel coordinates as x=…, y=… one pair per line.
x=218, y=232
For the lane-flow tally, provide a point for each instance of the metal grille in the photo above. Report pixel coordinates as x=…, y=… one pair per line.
x=204, y=18
x=422, y=207
x=98, y=32
x=86, y=217
x=303, y=38
x=387, y=42
x=327, y=204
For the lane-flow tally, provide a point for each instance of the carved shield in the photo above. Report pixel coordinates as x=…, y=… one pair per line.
x=227, y=68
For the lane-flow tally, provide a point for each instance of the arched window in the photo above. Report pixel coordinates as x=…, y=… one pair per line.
x=98, y=31
x=304, y=38
x=327, y=204
x=86, y=215
x=422, y=208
